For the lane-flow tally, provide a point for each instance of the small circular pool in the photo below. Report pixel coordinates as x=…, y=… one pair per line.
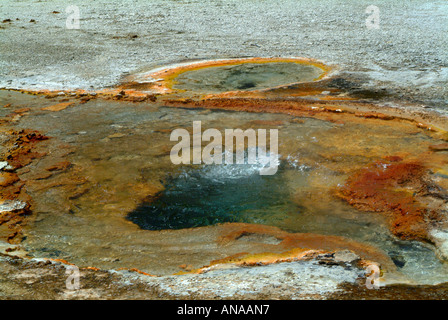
x=246, y=76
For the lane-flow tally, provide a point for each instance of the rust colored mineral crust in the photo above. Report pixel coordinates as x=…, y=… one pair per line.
x=58, y=107
x=20, y=146
x=137, y=271
x=439, y=147
x=165, y=78
x=334, y=111
x=389, y=186
x=291, y=247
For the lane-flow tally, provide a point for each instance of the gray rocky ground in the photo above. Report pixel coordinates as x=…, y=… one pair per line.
x=407, y=54
x=42, y=279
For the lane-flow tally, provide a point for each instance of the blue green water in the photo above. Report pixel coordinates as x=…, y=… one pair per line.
x=216, y=194
x=247, y=76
